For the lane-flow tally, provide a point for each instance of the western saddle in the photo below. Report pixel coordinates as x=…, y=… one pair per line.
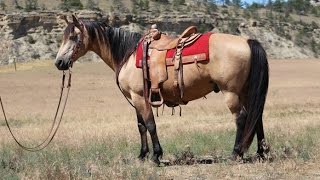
x=155, y=46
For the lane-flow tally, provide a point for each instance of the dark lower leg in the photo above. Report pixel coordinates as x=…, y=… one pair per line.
x=151, y=126
x=240, y=121
x=233, y=102
x=143, y=134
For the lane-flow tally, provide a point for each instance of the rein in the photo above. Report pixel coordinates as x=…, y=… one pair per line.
x=55, y=124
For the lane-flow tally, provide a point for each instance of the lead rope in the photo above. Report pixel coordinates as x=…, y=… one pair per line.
x=53, y=130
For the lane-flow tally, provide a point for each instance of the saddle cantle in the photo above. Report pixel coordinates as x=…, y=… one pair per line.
x=157, y=51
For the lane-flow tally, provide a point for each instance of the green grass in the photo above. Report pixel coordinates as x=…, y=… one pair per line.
x=302, y=146
x=201, y=144
x=117, y=158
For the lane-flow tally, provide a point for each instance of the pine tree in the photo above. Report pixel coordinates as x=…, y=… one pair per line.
x=17, y=5
x=92, y=5
x=237, y=3
x=3, y=5
x=66, y=5
x=178, y=2
x=31, y=5
x=211, y=6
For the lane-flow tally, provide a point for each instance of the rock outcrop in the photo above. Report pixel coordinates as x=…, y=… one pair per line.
x=37, y=35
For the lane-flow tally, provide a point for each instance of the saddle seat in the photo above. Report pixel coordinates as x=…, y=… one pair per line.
x=165, y=42
x=189, y=31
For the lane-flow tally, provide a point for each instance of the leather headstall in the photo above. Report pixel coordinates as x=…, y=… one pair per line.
x=77, y=47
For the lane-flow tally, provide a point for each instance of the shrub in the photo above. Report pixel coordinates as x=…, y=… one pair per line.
x=31, y=40
x=3, y=5
x=92, y=5
x=31, y=5
x=66, y=5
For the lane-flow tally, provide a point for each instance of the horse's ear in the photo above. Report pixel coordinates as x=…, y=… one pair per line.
x=78, y=23
x=75, y=19
x=64, y=17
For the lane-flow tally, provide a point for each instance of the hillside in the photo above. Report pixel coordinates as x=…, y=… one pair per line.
x=31, y=29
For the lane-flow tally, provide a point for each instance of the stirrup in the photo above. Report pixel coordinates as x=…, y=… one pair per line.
x=155, y=92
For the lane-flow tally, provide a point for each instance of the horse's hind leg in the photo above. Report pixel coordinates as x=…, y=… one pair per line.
x=240, y=122
x=143, y=134
x=233, y=102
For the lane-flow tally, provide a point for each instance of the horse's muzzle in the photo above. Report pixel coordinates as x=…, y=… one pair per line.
x=62, y=65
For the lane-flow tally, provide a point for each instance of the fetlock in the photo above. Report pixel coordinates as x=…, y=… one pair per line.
x=143, y=153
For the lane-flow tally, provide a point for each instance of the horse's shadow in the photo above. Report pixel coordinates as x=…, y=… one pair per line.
x=187, y=158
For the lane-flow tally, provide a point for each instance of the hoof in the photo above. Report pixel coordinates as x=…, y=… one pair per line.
x=236, y=156
x=263, y=148
x=263, y=151
x=143, y=156
x=155, y=158
x=260, y=157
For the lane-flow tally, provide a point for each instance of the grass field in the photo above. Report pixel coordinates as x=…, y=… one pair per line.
x=99, y=139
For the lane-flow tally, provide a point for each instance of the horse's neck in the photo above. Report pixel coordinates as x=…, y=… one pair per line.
x=115, y=57
x=104, y=53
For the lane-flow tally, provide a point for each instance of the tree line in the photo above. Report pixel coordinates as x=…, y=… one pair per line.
x=301, y=7
x=66, y=5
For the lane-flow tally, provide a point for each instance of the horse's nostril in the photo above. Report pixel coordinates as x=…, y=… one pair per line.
x=58, y=63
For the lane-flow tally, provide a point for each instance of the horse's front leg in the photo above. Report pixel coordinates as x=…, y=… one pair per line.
x=143, y=134
x=151, y=126
x=144, y=111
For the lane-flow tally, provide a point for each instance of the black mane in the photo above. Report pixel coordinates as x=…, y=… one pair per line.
x=121, y=43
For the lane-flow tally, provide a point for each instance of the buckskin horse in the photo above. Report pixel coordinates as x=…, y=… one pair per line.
x=237, y=67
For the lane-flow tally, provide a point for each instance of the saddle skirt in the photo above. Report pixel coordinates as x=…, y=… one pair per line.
x=195, y=52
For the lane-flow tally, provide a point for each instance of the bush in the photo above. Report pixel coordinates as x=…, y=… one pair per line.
x=233, y=27
x=211, y=6
x=3, y=5
x=316, y=11
x=35, y=56
x=92, y=5
x=66, y=5
x=315, y=47
x=314, y=25
x=178, y=2
x=31, y=5
x=31, y=40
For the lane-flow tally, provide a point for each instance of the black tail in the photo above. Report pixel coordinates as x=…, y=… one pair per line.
x=257, y=92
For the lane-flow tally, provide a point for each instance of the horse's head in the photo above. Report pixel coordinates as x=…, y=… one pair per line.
x=74, y=44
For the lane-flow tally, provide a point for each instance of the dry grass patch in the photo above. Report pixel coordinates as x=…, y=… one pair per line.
x=98, y=140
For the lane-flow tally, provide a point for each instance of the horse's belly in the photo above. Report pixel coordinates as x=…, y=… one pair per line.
x=197, y=84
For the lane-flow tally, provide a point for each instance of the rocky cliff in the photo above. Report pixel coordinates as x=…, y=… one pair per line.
x=37, y=35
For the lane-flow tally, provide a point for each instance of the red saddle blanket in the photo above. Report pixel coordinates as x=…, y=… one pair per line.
x=198, y=51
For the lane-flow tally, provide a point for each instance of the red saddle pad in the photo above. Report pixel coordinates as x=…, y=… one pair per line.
x=200, y=46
